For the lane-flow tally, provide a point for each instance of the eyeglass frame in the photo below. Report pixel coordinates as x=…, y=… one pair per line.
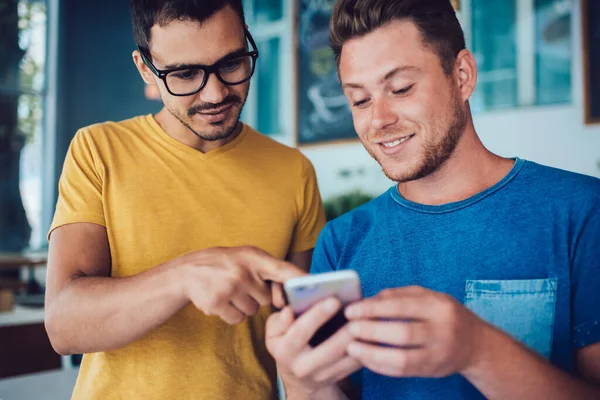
x=208, y=69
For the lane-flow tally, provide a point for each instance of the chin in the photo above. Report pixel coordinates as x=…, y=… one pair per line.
x=217, y=131
x=401, y=171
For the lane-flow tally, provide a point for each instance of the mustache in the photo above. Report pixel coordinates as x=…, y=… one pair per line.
x=230, y=99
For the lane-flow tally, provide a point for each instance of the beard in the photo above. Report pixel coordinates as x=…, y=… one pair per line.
x=434, y=153
x=219, y=130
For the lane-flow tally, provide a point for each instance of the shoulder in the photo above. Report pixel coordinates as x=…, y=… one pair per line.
x=100, y=134
x=562, y=184
x=360, y=221
x=278, y=155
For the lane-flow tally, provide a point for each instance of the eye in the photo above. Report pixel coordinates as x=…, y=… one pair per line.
x=231, y=65
x=403, y=91
x=186, y=75
x=360, y=103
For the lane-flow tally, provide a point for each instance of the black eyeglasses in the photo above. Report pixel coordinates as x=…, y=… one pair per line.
x=187, y=80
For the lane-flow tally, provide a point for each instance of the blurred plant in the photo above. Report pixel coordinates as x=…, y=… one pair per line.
x=20, y=113
x=339, y=205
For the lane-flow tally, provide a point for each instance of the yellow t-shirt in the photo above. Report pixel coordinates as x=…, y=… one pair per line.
x=158, y=199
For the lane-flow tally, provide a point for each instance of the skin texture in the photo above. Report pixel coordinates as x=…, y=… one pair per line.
x=405, y=94
x=89, y=311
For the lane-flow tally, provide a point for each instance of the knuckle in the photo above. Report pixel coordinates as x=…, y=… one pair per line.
x=299, y=370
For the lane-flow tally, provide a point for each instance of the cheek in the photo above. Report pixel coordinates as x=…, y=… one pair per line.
x=361, y=122
x=180, y=104
x=240, y=91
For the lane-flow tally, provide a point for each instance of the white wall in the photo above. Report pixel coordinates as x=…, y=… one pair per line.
x=555, y=136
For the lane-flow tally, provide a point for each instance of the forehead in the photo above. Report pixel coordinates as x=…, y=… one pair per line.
x=194, y=42
x=396, y=44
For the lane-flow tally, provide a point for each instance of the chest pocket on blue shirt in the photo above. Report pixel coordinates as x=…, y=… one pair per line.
x=524, y=309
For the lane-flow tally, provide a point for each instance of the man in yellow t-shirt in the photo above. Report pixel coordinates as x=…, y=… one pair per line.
x=168, y=227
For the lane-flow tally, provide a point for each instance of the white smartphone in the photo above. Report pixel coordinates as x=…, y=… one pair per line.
x=305, y=291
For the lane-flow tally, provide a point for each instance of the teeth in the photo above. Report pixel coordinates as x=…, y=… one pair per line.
x=392, y=144
x=397, y=142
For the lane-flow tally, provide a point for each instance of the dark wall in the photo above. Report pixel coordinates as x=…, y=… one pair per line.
x=97, y=80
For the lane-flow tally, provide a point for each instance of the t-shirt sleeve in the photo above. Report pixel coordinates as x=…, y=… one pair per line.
x=80, y=186
x=585, y=282
x=311, y=214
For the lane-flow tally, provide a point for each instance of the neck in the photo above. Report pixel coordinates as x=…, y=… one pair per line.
x=470, y=169
x=174, y=128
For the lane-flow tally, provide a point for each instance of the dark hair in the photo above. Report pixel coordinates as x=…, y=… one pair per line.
x=147, y=13
x=435, y=19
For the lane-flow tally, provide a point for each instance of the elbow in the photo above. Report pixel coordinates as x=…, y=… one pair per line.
x=57, y=337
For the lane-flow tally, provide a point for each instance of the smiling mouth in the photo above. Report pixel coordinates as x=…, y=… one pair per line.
x=396, y=142
x=216, y=112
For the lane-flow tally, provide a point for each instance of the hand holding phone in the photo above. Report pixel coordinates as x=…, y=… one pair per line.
x=305, y=291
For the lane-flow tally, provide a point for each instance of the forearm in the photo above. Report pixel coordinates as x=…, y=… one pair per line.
x=507, y=370
x=296, y=392
x=92, y=314
x=329, y=393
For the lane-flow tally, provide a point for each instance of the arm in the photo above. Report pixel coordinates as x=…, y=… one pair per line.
x=497, y=367
x=309, y=373
x=302, y=259
x=87, y=310
x=432, y=335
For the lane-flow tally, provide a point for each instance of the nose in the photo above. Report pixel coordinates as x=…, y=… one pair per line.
x=214, y=91
x=382, y=115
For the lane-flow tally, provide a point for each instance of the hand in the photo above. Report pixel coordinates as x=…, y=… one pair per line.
x=305, y=369
x=231, y=282
x=431, y=334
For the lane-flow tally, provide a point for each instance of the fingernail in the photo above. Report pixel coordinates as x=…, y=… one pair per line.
x=354, y=349
x=331, y=304
x=352, y=312
x=354, y=329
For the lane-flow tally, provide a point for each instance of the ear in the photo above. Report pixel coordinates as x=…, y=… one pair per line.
x=466, y=73
x=143, y=69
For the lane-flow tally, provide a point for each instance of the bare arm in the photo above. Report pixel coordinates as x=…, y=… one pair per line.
x=302, y=260
x=87, y=310
x=508, y=360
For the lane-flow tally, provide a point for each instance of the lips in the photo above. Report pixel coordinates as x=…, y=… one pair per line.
x=217, y=111
x=393, y=145
x=215, y=116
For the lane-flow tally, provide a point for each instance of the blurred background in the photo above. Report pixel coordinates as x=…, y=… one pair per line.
x=65, y=64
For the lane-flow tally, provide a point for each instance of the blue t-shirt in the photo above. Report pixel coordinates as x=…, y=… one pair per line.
x=523, y=255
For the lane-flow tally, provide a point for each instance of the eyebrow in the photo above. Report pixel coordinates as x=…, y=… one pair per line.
x=235, y=53
x=385, y=78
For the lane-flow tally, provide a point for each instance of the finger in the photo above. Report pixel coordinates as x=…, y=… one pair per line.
x=277, y=296
x=259, y=291
x=245, y=304
x=279, y=323
x=390, y=361
x=310, y=321
x=397, y=307
x=338, y=370
x=405, y=290
x=324, y=355
x=404, y=334
x=228, y=313
x=273, y=269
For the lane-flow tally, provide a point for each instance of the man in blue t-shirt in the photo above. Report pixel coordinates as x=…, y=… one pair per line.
x=481, y=274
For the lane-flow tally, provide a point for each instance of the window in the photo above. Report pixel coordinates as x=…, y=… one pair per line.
x=268, y=108
x=22, y=95
x=523, y=53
